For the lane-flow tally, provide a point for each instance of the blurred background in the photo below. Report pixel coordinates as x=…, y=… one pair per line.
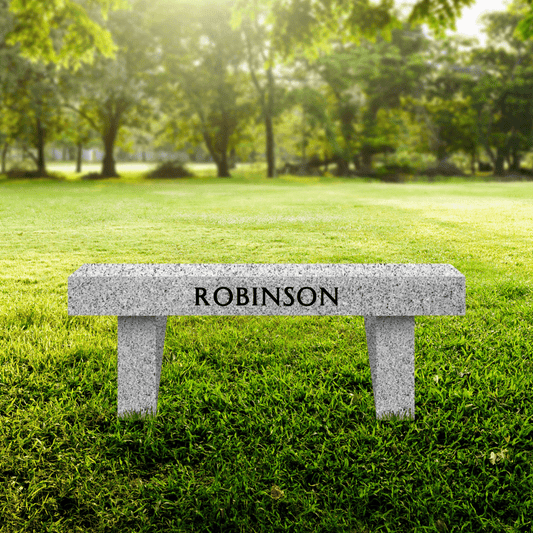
x=307, y=87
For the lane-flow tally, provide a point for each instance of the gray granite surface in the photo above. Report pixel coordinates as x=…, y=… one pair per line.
x=266, y=289
x=387, y=295
x=391, y=353
x=141, y=341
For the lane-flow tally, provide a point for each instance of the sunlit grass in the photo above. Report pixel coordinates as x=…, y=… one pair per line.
x=265, y=424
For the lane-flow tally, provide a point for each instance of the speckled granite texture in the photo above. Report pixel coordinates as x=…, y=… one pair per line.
x=367, y=290
x=140, y=353
x=388, y=296
x=391, y=351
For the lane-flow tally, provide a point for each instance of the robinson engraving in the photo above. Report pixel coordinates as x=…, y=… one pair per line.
x=287, y=296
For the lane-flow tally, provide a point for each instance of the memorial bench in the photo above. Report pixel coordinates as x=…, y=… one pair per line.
x=388, y=296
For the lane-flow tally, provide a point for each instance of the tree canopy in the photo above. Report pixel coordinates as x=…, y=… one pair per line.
x=64, y=32
x=350, y=80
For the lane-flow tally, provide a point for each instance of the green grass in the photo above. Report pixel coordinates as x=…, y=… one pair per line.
x=265, y=424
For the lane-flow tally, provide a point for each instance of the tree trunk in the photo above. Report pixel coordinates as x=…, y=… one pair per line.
x=232, y=162
x=369, y=122
x=490, y=153
x=270, y=150
x=222, y=165
x=79, y=153
x=343, y=168
x=5, y=149
x=515, y=161
x=498, y=164
x=266, y=96
x=218, y=154
x=304, y=142
x=508, y=160
x=441, y=152
x=366, y=156
x=347, y=116
x=41, y=164
x=108, y=163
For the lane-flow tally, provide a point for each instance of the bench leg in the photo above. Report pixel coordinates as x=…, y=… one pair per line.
x=391, y=351
x=140, y=354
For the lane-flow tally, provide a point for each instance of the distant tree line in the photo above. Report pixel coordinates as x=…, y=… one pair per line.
x=332, y=83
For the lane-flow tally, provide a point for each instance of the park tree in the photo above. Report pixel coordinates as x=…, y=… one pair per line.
x=386, y=70
x=38, y=111
x=30, y=107
x=450, y=125
x=274, y=30
x=8, y=82
x=76, y=134
x=502, y=94
x=250, y=19
x=331, y=102
x=444, y=103
x=114, y=93
x=35, y=37
x=277, y=31
x=362, y=80
x=203, y=88
x=63, y=32
x=307, y=127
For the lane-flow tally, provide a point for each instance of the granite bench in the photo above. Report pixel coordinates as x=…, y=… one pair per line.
x=388, y=296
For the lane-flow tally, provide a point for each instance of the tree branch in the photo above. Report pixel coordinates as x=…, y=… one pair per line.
x=84, y=115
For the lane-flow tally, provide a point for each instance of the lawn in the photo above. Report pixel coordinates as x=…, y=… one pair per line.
x=265, y=424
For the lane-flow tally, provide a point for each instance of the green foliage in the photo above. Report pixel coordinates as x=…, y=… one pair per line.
x=444, y=104
x=30, y=105
x=439, y=14
x=170, y=169
x=524, y=29
x=306, y=26
x=358, y=83
x=77, y=130
x=202, y=89
x=61, y=31
x=316, y=126
x=502, y=95
x=451, y=125
x=212, y=72
x=114, y=93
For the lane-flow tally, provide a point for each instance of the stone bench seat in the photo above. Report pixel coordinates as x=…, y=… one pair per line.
x=388, y=296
